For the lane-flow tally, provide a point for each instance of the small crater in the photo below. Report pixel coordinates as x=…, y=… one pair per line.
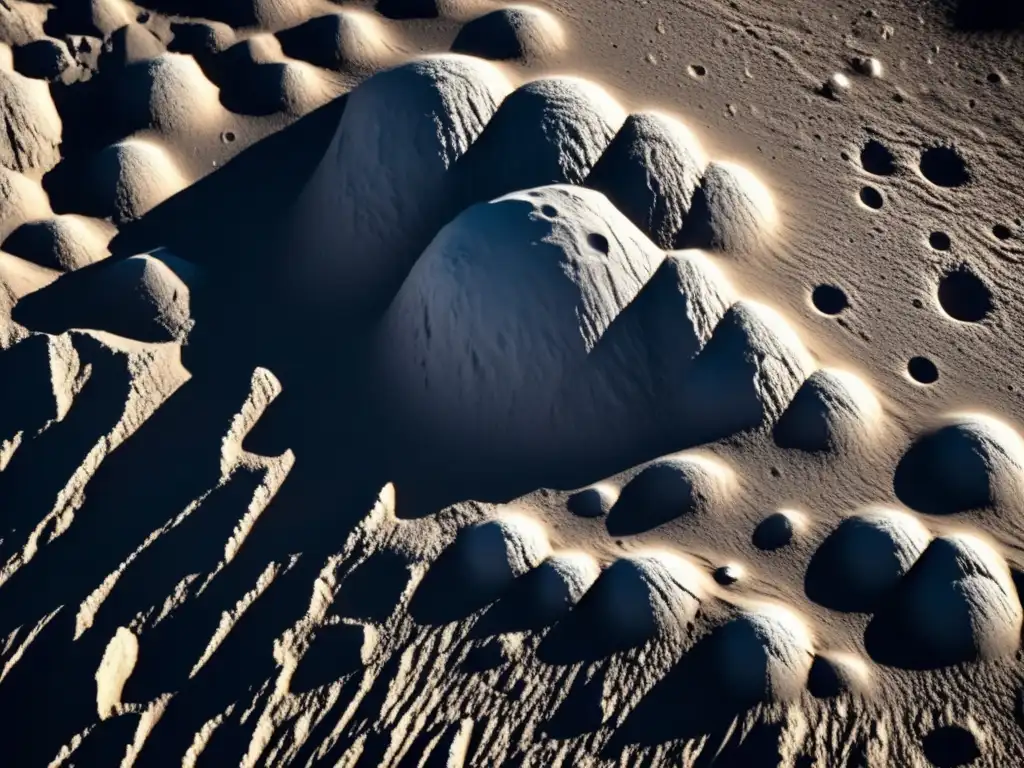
x=598, y=242
x=228, y=137
x=698, y=70
x=994, y=77
x=823, y=680
x=964, y=297
x=950, y=746
x=922, y=370
x=944, y=167
x=939, y=241
x=774, y=532
x=1001, y=232
x=871, y=197
x=876, y=159
x=829, y=300
x=549, y=210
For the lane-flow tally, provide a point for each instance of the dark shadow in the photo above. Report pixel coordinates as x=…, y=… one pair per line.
x=944, y=167
x=536, y=600
x=195, y=546
x=335, y=652
x=691, y=702
x=106, y=743
x=983, y=15
x=229, y=741
x=321, y=732
x=891, y=640
x=485, y=657
x=53, y=668
x=236, y=13
x=951, y=745
x=946, y=472
x=854, y=569
x=613, y=616
x=232, y=212
x=26, y=389
x=226, y=224
x=928, y=622
x=661, y=493
x=71, y=19
x=445, y=594
x=696, y=231
x=823, y=680
x=877, y=159
x=41, y=467
x=373, y=590
x=400, y=10
x=81, y=133
x=582, y=710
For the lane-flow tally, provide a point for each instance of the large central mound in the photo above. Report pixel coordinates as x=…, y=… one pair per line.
x=501, y=329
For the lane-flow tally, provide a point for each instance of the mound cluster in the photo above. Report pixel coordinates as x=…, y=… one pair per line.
x=574, y=322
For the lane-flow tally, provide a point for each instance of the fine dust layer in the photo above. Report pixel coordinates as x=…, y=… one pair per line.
x=478, y=383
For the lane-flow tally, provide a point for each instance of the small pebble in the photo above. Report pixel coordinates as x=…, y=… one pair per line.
x=836, y=86
x=728, y=574
x=868, y=66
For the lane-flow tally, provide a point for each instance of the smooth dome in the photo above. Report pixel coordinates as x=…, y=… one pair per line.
x=169, y=93
x=144, y=297
x=513, y=32
x=677, y=486
x=64, y=243
x=679, y=309
x=293, y=87
x=651, y=171
x=763, y=655
x=831, y=410
x=834, y=674
x=479, y=566
x=957, y=604
x=130, y=44
x=634, y=600
x=595, y=501
x=347, y=39
x=131, y=178
x=864, y=558
x=549, y=131
x=268, y=14
x=736, y=211
x=543, y=595
x=971, y=462
x=747, y=374
x=494, y=552
x=433, y=109
x=489, y=346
